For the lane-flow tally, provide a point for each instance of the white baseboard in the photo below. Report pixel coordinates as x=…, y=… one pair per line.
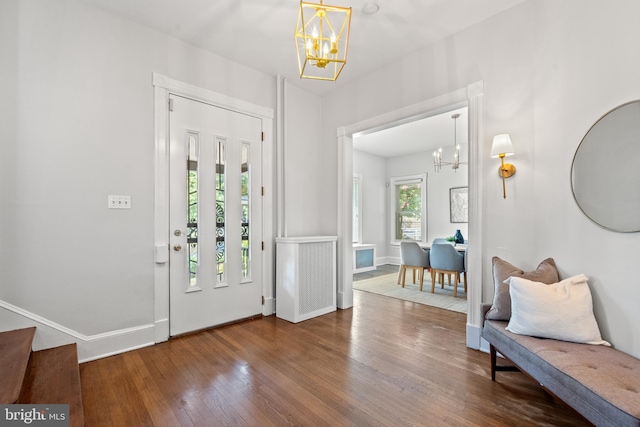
x=484, y=345
x=473, y=336
x=269, y=306
x=90, y=347
x=162, y=330
x=388, y=260
x=115, y=342
x=475, y=340
x=343, y=302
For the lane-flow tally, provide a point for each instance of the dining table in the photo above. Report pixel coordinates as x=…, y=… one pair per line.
x=460, y=247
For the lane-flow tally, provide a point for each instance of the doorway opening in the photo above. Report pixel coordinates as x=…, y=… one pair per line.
x=400, y=195
x=470, y=97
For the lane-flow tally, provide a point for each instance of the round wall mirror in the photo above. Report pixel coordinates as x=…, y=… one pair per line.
x=605, y=174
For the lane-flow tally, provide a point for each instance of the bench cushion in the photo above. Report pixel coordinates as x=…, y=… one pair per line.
x=600, y=383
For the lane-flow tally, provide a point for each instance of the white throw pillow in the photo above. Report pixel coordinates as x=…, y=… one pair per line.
x=562, y=311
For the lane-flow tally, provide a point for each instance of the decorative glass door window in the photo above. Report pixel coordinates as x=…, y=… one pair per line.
x=245, y=185
x=192, y=207
x=220, y=209
x=195, y=182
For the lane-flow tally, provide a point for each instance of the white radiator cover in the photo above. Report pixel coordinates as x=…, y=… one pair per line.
x=364, y=257
x=305, y=277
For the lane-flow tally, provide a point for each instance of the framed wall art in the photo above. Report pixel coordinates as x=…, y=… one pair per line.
x=459, y=204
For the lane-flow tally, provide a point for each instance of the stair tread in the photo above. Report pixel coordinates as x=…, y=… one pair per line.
x=53, y=376
x=15, y=349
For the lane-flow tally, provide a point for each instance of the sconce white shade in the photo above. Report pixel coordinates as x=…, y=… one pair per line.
x=501, y=145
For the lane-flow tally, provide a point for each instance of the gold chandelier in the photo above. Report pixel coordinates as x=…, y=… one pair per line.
x=322, y=40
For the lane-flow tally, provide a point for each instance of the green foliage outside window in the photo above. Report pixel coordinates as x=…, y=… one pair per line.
x=409, y=212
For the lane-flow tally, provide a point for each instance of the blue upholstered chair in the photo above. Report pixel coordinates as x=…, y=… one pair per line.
x=445, y=259
x=439, y=240
x=415, y=258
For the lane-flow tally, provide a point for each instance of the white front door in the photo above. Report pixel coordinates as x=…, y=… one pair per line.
x=215, y=216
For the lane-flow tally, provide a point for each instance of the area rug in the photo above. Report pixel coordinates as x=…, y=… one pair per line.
x=442, y=298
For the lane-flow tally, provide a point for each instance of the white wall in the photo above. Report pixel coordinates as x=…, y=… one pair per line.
x=550, y=70
x=374, y=201
x=304, y=177
x=77, y=125
x=584, y=71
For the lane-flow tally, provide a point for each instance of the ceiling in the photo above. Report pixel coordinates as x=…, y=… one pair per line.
x=427, y=134
x=259, y=33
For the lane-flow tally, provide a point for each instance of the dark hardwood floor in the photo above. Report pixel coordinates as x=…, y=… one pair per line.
x=386, y=362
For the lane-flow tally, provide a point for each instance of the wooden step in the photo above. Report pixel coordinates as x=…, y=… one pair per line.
x=15, y=348
x=53, y=376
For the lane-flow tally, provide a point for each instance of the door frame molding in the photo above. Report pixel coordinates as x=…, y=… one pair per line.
x=164, y=86
x=471, y=96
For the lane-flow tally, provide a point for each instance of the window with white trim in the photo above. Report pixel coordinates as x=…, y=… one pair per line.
x=357, y=208
x=409, y=208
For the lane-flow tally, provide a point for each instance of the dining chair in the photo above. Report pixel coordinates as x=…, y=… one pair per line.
x=439, y=240
x=415, y=258
x=445, y=259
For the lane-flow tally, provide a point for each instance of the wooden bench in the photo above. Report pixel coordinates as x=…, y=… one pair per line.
x=600, y=383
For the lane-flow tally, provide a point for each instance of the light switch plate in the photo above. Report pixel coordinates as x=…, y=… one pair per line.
x=119, y=202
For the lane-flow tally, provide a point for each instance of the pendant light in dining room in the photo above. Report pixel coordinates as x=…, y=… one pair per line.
x=437, y=155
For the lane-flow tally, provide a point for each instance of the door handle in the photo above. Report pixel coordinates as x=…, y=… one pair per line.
x=177, y=248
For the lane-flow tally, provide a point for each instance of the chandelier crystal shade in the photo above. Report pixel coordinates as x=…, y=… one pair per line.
x=322, y=40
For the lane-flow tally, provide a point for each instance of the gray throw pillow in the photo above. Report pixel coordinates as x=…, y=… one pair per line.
x=501, y=309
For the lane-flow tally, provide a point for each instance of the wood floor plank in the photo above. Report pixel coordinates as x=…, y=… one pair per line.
x=384, y=362
x=170, y=383
x=150, y=395
x=236, y=383
x=215, y=401
x=110, y=372
x=331, y=401
x=93, y=397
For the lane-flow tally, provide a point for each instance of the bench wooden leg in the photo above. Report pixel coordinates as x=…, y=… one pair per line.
x=492, y=351
x=494, y=365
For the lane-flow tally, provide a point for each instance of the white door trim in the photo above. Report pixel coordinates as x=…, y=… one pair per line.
x=164, y=86
x=472, y=97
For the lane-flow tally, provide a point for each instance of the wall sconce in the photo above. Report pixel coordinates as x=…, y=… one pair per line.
x=502, y=148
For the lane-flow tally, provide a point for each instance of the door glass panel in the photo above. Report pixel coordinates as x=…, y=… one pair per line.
x=245, y=184
x=192, y=207
x=220, y=210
